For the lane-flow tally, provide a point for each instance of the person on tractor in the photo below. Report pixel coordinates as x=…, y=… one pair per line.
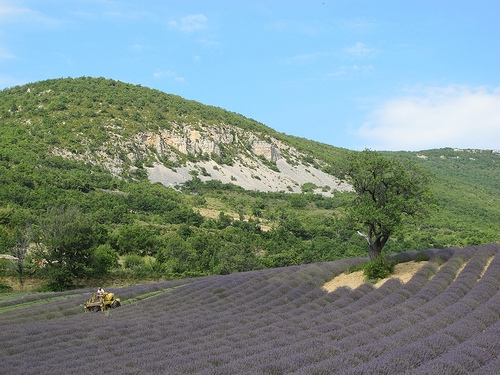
x=100, y=293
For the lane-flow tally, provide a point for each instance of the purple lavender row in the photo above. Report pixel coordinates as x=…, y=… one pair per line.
x=365, y=339
x=439, y=347
x=182, y=353
x=413, y=335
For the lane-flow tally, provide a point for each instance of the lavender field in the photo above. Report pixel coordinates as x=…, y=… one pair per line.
x=445, y=320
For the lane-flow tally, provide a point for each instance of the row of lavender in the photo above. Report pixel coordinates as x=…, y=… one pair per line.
x=279, y=321
x=54, y=305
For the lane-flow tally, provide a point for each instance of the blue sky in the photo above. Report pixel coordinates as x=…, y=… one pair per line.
x=379, y=74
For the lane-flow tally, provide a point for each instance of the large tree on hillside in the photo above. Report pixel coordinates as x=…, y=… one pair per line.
x=68, y=237
x=387, y=191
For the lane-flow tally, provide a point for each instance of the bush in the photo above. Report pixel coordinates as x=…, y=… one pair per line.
x=104, y=258
x=4, y=266
x=421, y=257
x=133, y=260
x=380, y=268
x=4, y=288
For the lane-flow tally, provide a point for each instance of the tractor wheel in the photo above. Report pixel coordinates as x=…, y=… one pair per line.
x=116, y=304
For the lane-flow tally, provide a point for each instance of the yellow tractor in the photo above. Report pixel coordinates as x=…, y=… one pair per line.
x=101, y=303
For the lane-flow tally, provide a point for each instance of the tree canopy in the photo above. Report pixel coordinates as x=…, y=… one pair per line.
x=388, y=190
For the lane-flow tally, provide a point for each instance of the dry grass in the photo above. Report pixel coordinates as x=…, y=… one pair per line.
x=402, y=271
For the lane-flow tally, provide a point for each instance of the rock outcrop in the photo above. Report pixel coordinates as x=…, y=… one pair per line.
x=269, y=151
x=222, y=152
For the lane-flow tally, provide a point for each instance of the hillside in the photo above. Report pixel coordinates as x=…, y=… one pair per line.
x=121, y=127
x=467, y=184
x=174, y=188
x=444, y=320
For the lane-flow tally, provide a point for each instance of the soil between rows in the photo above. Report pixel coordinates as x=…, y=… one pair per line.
x=402, y=271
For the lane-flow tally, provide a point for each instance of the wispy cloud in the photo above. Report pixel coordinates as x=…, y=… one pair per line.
x=453, y=116
x=8, y=10
x=5, y=55
x=360, y=50
x=305, y=58
x=167, y=74
x=138, y=47
x=190, y=23
x=16, y=13
x=356, y=25
x=352, y=70
x=64, y=57
x=297, y=27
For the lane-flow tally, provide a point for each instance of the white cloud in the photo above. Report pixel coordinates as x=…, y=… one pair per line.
x=167, y=74
x=305, y=58
x=190, y=23
x=356, y=25
x=353, y=70
x=5, y=55
x=360, y=50
x=14, y=13
x=297, y=27
x=7, y=10
x=208, y=42
x=453, y=116
x=138, y=48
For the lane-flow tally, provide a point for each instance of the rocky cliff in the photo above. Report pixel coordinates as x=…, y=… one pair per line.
x=256, y=163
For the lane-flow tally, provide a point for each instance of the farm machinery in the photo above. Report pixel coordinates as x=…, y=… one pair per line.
x=102, y=302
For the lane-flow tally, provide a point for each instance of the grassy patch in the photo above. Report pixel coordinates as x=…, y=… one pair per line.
x=39, y=302
x=148, y=295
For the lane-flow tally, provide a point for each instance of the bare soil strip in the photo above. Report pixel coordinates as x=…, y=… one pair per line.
x=402, y=271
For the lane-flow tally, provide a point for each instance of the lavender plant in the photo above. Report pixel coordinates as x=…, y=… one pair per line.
x=277, y=321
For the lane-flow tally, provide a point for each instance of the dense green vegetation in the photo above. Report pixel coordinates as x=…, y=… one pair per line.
x=388, y=191
x=467, y=185
x=84, y=219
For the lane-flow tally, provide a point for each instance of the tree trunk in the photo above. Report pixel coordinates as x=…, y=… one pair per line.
x=374, y=247
x=374, y=250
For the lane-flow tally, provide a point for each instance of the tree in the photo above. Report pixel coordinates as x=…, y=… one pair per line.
x=68, y=237
x=103, y=259
x=136, y=239
x=388, y=190
x=22, y=240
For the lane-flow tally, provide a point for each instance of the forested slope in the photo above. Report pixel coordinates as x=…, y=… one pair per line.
x=70, y=160
x=467, y=184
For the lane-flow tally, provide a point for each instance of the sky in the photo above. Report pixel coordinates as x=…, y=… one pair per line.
x=380, y=74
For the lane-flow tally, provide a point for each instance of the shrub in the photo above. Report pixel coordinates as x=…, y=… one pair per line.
x=104, y=259
x=421, y=257
x=4, y=266
x=380, y=268
x=4, y=288
x=133, y=260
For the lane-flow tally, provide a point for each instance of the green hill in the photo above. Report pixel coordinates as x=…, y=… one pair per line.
x=235, y=195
